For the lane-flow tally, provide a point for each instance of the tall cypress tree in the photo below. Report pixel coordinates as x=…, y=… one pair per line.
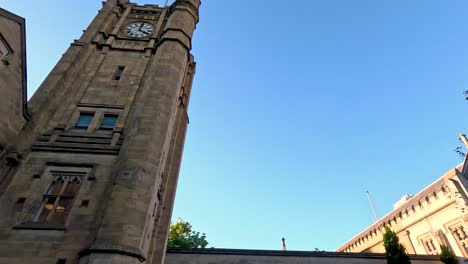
x=447, y=256
x=394, y=251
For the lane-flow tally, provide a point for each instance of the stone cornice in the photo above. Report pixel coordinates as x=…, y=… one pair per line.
x=170, y=34
x=113, y=249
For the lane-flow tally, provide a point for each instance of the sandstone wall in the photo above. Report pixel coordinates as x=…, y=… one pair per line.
x=240, y=256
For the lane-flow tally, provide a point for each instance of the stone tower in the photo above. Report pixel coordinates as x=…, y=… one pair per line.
x=90, y=174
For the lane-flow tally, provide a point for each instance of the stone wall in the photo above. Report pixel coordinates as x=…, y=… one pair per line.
x=242, y=256
x=12, y=76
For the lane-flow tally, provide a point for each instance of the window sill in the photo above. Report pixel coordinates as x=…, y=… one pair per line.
x=40, y=226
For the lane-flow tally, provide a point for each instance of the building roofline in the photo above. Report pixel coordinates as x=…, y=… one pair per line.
x=11, y=16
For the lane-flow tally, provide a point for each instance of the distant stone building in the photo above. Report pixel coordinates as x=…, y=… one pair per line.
x=89, y=166
x=436, y=215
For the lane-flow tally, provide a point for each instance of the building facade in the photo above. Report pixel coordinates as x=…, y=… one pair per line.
x=436, y=215
x=89, y=166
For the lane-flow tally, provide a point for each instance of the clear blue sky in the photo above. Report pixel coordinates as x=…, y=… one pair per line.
x=299, y=107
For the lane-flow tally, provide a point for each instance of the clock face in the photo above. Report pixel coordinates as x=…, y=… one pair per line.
x=139, y=29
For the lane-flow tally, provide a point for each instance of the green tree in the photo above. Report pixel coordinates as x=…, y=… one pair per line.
x=459, y=149
x=182, y=236
x=447, y=255
x=394, y=251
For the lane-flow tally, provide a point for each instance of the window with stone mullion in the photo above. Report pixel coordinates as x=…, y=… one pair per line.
x=460, y=236
x=429, y=246
x=57, y=202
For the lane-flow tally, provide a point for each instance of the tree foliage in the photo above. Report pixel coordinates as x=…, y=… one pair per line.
x=394, y=251
x=458, y=149
x=181, y=235
x=447, y=256
x=460, y=152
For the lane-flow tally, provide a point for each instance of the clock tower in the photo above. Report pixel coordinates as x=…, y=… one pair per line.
x=91, y=175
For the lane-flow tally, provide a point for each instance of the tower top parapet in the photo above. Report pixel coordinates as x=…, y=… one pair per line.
x=193, y=3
